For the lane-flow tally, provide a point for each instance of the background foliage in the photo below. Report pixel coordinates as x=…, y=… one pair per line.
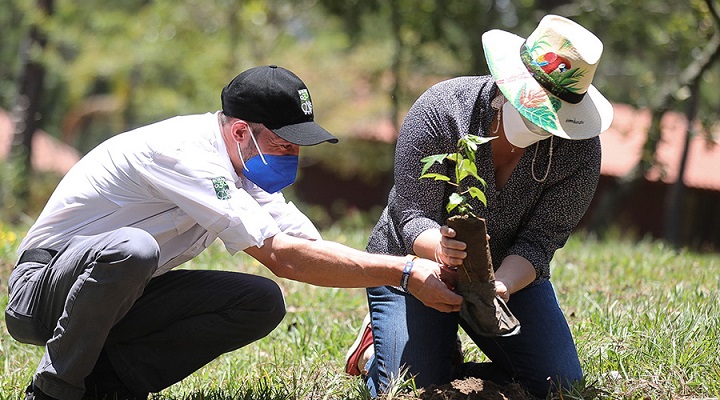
x=116, y=65
x=646, y=317
x=113, y=66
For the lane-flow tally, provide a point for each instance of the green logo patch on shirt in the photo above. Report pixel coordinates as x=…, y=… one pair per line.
x=222, y=190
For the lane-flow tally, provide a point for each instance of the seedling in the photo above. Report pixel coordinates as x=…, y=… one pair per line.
x=483, y=310
x=464, y=159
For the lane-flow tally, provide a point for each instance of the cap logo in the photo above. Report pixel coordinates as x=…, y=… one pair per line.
x=222, y=190
x=305, y=103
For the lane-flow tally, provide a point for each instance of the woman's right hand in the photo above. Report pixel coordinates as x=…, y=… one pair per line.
x=502, y=291
x=449, y=252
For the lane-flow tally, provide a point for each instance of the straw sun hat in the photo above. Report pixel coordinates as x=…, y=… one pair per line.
x=548, y=77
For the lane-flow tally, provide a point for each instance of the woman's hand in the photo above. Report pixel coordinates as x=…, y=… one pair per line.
x=502, y=291
x=449, y=252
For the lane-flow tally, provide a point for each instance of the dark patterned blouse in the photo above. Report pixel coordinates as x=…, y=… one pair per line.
x=527, y=218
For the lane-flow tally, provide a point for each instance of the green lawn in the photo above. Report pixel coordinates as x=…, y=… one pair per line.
x=646, y=320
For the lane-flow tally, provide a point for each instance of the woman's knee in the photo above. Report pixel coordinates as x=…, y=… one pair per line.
x=540, y=382
x=402, y=326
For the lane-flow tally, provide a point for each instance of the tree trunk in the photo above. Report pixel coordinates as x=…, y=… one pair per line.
x=613, y=198
x=396, y=19
x=674, y=200
x=26, y=111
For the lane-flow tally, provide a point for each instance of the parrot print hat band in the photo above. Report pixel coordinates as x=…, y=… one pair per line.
x=548, y=77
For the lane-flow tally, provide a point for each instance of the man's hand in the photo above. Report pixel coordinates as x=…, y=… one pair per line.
x=425, y=284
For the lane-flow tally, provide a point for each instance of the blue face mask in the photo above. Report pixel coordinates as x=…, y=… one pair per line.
x=271, y=173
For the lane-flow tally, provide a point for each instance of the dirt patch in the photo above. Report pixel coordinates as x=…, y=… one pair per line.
x=474, y=389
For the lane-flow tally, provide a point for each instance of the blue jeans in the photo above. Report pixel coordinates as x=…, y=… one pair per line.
x=412, y=338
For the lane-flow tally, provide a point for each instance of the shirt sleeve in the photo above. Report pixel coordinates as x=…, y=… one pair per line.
x=201, y=186
x=286, y=215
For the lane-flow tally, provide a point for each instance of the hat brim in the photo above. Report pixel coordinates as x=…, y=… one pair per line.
x=586, y=119
x=306, y=133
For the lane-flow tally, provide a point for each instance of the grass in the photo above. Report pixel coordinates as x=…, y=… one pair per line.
x=645, y=317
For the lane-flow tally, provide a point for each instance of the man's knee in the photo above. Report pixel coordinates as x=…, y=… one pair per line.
x=132, y=249
x=273, y=306
x=257, y=308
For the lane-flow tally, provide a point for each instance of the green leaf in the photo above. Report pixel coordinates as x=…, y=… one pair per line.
x=455, y=157
x=465, y=166
x=469, y=168
x=430, y=160
x=456, y=198
x=437, y=177
x=478, y=194
x=483, y=183
x=454, y=201
x=468, y=144
x=479, y=140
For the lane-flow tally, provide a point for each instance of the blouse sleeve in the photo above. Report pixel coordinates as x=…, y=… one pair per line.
x=561, y=204
x=418, y=204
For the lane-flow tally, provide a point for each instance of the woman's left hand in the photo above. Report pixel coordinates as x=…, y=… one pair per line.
x=449, y=276
x=502, y=291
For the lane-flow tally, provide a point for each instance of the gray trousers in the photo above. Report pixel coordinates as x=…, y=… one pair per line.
x=96, y=294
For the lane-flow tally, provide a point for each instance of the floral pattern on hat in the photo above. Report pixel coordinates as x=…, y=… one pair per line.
x=548, y=76
x=531, y=103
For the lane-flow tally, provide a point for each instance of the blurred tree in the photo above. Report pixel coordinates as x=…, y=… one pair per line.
x=108, y=67
x=655, y=51
x=663, y=63
x=428, y=32
x=111, y=66
x=26, y=112
x=130, y=63
x=11, y=32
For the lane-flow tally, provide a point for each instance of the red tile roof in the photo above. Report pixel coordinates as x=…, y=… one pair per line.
x=622, y=145
x=49, y=154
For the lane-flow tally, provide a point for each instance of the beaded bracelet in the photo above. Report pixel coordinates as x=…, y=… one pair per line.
x=409, y=264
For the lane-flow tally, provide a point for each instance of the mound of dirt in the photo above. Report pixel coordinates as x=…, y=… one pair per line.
x=474, y=389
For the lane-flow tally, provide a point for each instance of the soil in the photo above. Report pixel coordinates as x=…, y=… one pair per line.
x=474, y=389
x=483, y=311
x=476, y=268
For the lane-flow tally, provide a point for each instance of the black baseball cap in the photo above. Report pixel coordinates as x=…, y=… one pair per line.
x=278, y=99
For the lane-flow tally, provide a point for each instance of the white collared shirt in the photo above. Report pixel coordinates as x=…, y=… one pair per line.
x=173, y=179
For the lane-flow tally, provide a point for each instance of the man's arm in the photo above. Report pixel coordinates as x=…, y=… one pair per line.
x=326, y=263
x=515, y=272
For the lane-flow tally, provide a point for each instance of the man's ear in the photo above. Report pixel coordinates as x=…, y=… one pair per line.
x=239, y=130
